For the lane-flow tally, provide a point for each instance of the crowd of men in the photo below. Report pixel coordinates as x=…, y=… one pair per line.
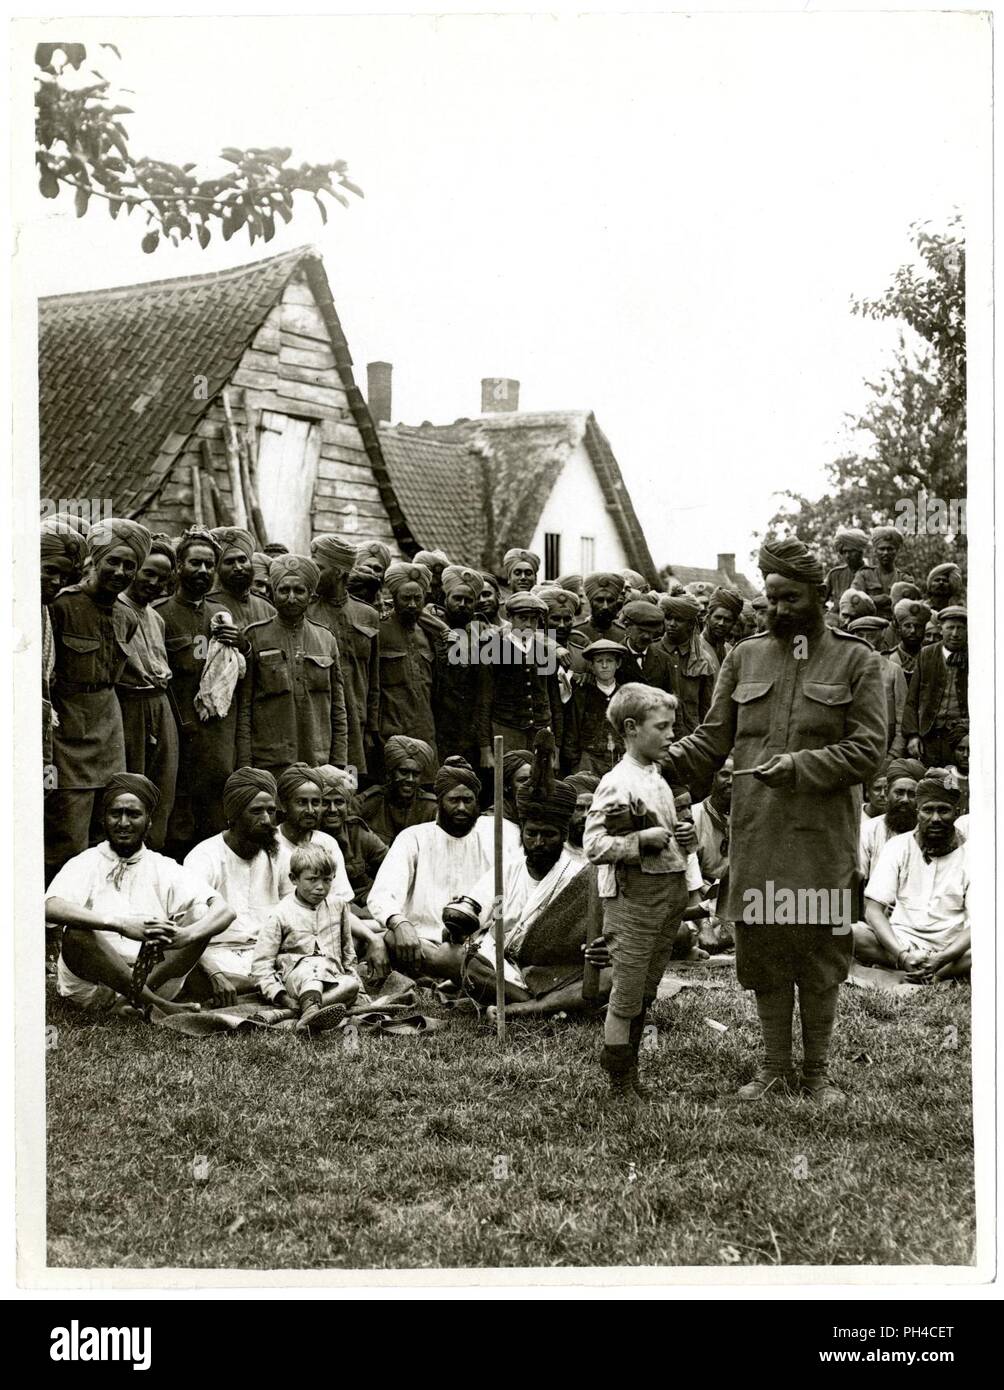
x=233, y=737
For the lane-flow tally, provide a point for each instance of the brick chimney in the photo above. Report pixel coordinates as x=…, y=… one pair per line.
x=378, y=376
x=727, y=565
x=498, y=395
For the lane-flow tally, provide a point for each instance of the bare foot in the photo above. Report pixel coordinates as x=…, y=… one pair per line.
x=164, y=1006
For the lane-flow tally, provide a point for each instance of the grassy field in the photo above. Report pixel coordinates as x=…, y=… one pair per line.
x=267, y=1152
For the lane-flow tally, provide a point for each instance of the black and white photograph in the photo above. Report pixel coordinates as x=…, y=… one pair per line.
x=499, y=782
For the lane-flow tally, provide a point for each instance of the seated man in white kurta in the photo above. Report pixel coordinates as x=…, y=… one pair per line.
x=427, y=865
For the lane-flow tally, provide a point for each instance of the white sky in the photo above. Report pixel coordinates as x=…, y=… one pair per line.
x=662, y=219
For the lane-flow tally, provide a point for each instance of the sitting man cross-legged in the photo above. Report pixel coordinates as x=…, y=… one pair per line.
x=119, y=895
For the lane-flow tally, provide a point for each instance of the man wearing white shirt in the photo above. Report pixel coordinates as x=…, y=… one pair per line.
x=899, y=816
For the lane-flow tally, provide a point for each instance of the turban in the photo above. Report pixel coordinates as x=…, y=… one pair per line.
x=456, y=772
x=699, y=589
x=399, y=749
x=953, y=612
x=513, y=761
x=431, y=559
x=456, y=577
x=861, y=602
x=851, y=537
x=869, y=622
x=68, y=519
x=674, y=587
x=904, y=589
x=299, y=566
x=335, y=779
x=296, y=775
x=107, y=535
x=554, y=807
x=912, y=608
x=887, y=533
x=59, y=542
x=400, y=572
x=491, y=580
x=571, y=582
x=328, y=550
x=136, y=785
x=374, y=550
x=276, y=548
x=260, y=565
x=234, y=538
x=196, y=535
x=947, y=570
x=525, y=602
x=603, y=583
x=634, y=579
x=640, y=611
x=727, y=598
x=583, y=782
x=792, y=559
x=904, y=767
x=559, y=601
x=682, y=606
x=938, y=784
x=520, y=557
x=241, y=788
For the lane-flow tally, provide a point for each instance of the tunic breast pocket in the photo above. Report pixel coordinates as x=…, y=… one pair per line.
x=393, y=669
x=317, y=671
x=753, y=715
x=80, y=659
x=272, y=675
x=822, y=713
x=361, y=640
x=181, y=655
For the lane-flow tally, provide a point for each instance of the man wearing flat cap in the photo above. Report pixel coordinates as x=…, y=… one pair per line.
x=91, y=632
x=291, y=706
x=720, y=622
x=937, y=704
x=693, y=674
x=515, y=694
x=412, y=650
x=802, y=711
x=234, y=577
x=646, y=660
x=852, y=572
x=355, y=626
x=604, y=592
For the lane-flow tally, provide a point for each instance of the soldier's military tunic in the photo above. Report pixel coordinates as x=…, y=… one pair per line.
x=291, y=706
x=842, y=577
x=356, y=628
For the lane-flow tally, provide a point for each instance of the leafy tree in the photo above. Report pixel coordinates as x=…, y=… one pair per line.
x=82, y=145
x=911, y=436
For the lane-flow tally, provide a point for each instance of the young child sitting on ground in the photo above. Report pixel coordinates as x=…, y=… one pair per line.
x=630, y=834
x=305, y=958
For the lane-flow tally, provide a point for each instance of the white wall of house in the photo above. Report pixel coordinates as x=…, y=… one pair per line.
x=576, y=512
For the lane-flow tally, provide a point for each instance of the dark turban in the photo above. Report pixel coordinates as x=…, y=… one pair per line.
x=904, y=767
x=938, y=784
x=136, y=785
x=61, y=542
x=196, y=535
x=729, y=599
x=234, y=538
x=399, y=572
x=331, y=551
x=400, y=748
x=296, y=775
x=456, y=772
x=603, y=583
x=791, y=559
x=107, y=535
x=583, y=782
x=431, y=559
x=682, y=606
x=461, y=577
x=520, y=557
x=241, y=788
x=887, y=533
x=374, y=550
x=513, y=761
x=299, y=566
x=554, y=807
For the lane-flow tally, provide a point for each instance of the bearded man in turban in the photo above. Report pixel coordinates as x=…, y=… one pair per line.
x=235, y=577
x=366, y=575
x=291, y=705
x=802, y=711
x=119, y=896
x=937, y=702
x=693, y=672
x=886, y=543
x=899, y=815
x=356, y=628
x=412, y=651
x=604, y=592
x=908, y=925
x=401, y=800
x=206, y=748
x=435, y=561
x=427, y=865
x=91, y=632
x=852, y=572
x=724, y=609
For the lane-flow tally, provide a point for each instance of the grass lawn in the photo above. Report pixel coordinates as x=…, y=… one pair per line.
x=439, y=1152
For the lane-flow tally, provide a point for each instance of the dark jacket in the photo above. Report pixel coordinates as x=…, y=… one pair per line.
x=587, y=734
x=291, y=708
x=356, y=628
x=410, y=659
x=655, y=668
x=512, y=692
x=693, y=683
x=927, y=691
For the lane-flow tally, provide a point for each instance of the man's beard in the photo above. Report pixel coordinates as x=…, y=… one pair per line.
x=266, y=839
x=900, y=819
x=576, y=830
x=937, y=842
x=196, y=585
x=787, y=625
x=541, y=861
x=457, y=823
x=239, y=585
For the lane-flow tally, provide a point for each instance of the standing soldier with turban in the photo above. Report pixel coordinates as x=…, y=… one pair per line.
x=459, y=674
x=291, y=706
x=869, y=629
x=412, y=649
x=366, y=575
x=605, y=593
x=521, y=568
x=852, y=572
x=401, y=801
x=356, y=628
x=62, y=549
x=801, y=708
x=91, y=631
x=234, y=578
x=435, y=562
x=693, y=673
x=937, y=703
x=911, y=617
x=724, y=608
x=944, y=588
x=887, y=542
x=207, y=747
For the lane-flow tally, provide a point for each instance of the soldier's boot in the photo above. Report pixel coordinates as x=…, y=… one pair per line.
x=775, y=1077
x=617, y=1062
x=818, y=1009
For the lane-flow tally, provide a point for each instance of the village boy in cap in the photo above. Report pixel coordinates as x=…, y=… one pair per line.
x=589, y=742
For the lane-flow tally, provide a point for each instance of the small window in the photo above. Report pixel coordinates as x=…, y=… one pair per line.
x=587, y=554
x=552, y=555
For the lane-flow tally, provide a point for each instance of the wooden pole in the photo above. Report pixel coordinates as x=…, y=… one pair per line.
x=208, y=485
x=197, y=512
x=499, y=924
x=237, y=507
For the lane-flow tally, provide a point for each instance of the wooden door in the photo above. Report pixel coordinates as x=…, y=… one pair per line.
x=288, y=452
